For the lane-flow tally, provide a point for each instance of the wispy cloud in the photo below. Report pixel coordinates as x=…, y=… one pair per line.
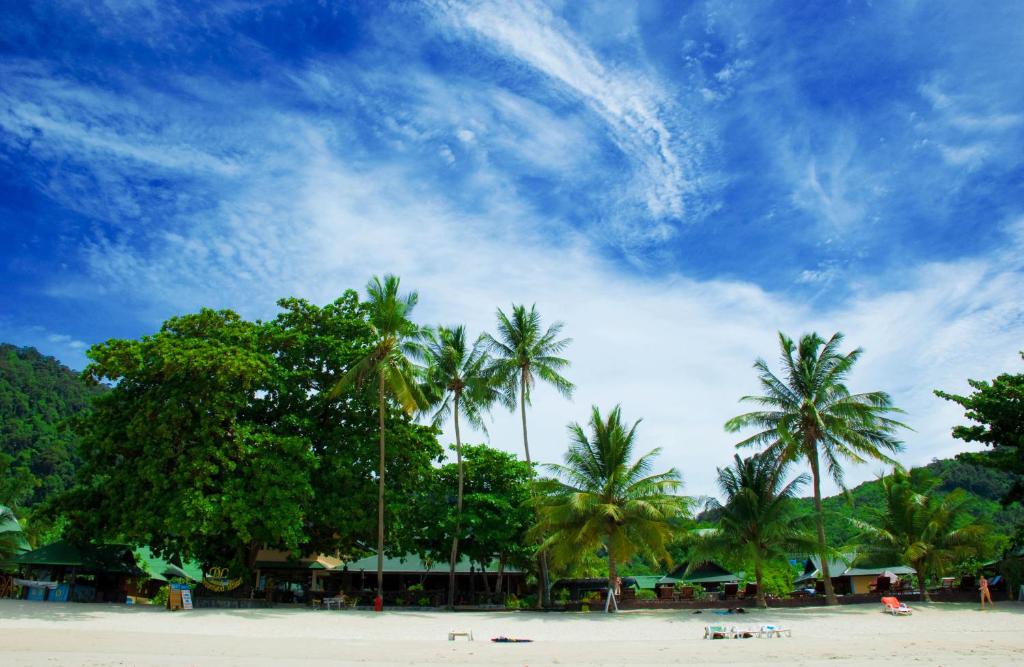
x=630, y=101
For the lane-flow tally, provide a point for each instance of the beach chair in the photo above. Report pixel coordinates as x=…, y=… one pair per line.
x=686, y=593
x=895, y=607
x=771, y=631
x=750, y=592
x=338, y=602
x=729, y=591
x=719, y=632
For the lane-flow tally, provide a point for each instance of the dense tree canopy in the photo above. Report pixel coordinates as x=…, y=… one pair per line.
x=218, y=438
x=997, y=410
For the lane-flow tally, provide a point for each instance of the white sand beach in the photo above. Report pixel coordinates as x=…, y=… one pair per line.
x=74, y=634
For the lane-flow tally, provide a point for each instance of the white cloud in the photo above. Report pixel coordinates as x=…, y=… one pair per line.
x=675, y=351
x=629, y=101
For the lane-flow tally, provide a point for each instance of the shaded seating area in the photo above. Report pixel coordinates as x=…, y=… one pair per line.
x=699, y=581
x=62, y=572
x=848, y=579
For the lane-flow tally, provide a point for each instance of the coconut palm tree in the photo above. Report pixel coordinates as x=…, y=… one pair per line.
x=524, y=352
x=602, y=498
x=389, y=364
x=809, y=414
x=758, y=522
x=12, y=539
x=919, y=527
x=459, y=381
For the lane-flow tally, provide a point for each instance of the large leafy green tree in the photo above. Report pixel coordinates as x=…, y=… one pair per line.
x=179, y=454
x=997, y=410
x=496, y=511
x=459, y=382
x=525, y=352
x=389, y=365
x=313, y=346
x=809, y=414
x=602, y=498
x=759, y=522
x=920, y=527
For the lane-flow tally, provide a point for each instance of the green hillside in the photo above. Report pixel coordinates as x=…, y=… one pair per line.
x=985, y=485
x=37, y=455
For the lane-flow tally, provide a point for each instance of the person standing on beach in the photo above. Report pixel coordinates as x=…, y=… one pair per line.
x=985, y=593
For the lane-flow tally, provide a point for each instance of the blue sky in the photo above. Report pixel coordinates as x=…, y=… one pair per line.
x=677, y=181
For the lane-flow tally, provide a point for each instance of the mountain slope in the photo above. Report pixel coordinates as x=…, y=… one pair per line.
x=37, y=394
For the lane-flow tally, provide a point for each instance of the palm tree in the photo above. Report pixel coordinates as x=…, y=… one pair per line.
x=918, y=527
x=601, y=498
x=810, y=414
x=12, y=539
x=523, y=352
x=389, y=362
x=459, y=381
x=757, y=523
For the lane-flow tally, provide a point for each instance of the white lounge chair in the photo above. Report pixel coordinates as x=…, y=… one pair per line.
x=770, y=631
x=719, y=632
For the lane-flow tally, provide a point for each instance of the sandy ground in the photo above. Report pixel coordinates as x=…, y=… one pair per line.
x=83, y=634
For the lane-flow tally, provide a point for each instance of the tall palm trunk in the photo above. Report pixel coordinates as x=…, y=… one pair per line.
x=613, y=572
x=458, y=508
x=812, y=453
x=925, y=597
x=380, y=494
x=762, y=602
x=542, y=559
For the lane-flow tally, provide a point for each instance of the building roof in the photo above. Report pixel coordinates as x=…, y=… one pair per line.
x=645, y=581
x=412, y=564
x=842, y=567
x=112, y=558
x=164, y=570
x=708, y=572
x=278, y=559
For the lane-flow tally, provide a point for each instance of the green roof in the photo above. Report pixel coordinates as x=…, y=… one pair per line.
x=412, y=564
x=900, y=570
x=165, y=570
x=115, y=558
x=708, y=572
x=646, y=581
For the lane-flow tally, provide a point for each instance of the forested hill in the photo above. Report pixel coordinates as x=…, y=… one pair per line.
x=37, y=455
x=986, y=486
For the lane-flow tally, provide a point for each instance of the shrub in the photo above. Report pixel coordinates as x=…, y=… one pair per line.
x=160, y=597
x=646, y=594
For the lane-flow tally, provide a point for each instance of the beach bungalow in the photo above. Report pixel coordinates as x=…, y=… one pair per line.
x=708, y=576
x=472, y=583
x=285, y=578
x=63, y=571
x=847, y=579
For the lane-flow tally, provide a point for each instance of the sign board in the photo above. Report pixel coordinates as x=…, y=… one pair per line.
x=186, y=598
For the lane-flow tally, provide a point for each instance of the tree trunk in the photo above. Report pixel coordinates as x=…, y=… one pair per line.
x=458, y=508
x=921, y=582
x=543, y=593
x=487, y=584
x=613, y=572
x=812, y=453
x=380, y=493
x=501, y=573
x=758, y=577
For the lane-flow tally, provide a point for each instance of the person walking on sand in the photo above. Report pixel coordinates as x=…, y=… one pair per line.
x=985, y=593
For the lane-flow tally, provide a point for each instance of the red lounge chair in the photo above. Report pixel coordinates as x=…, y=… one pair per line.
x=895, y=607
